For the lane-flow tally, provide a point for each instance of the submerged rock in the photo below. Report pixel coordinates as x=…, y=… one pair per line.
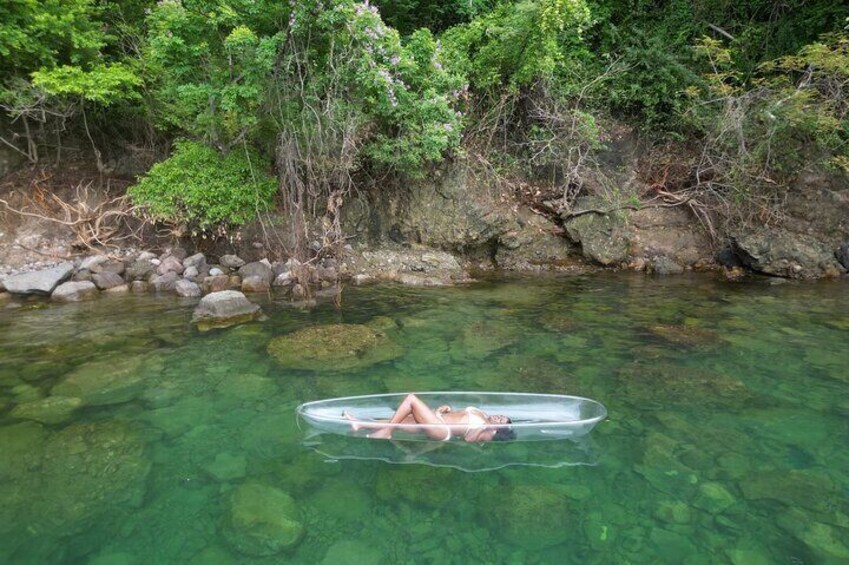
x=109, y=381
x=223, y=309
x=75, y=291
x=532, y=517
x=352, y=552
x=261, y=520
x=39, y=282
x=226, y=466
x=86, y=473
x=50, y=410
x=334, y=347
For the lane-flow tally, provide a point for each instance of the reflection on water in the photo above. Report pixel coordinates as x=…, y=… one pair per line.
x=127, y=437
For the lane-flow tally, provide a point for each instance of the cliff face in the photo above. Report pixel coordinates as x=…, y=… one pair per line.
x=492, y=229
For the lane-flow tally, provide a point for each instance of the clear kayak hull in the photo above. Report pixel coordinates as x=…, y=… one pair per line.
x=535, y=417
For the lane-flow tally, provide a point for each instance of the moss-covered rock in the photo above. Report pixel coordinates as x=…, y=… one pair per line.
x=334, y=347
x=533, y=517
x=50, y=410
x=110, y=381
x=261, y=520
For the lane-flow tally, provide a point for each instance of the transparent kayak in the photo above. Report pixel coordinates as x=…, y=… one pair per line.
x=460, y=455
x=535, y=417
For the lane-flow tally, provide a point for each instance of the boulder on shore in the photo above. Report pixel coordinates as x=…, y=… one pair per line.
x=107, y=280
x=604, y=236
x=784, y=254
x=42, y=282
x=257, y=269
x=231, y=261
x=187, y=288
x=223, y=309
x=75, y=291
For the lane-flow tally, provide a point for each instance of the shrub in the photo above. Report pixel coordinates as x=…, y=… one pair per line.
x=199, y=189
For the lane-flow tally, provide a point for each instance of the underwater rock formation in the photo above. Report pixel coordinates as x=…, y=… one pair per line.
x=261, y=520
x=532, y=517
x=334, y=347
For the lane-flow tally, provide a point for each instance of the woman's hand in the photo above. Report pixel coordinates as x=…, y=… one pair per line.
x=443, y=409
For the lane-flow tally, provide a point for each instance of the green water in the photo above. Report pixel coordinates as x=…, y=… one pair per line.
x=726, y=441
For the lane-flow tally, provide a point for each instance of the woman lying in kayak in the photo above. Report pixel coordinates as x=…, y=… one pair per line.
x=470, y=423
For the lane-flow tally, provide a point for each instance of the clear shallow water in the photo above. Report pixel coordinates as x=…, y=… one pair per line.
x=726, y=442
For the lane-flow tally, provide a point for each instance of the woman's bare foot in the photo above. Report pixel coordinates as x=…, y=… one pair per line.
x=354, y=422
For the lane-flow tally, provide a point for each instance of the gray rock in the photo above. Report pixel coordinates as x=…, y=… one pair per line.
x=785, y=254
x=666, y=266
x=328, y=274
x=231, y=262
x=216, y=283
x=187, y=288
x=75, y=291
x=39, y=282
x=91, y=261
x=257, y=269
x=198, y=261
x=261, y=520
x=215, y=272
x=177, y=253
x=121, y=288
x=223, y=309
x=255, y=284
x=106, y=280
x=141, y=269
x=284, y=279
x=842, y=255
x=279, y=267
x=146, y=256
x=166, y=282
x=2, y=286
x=82, y=275
x=170, y=265
x=110, y=266
x=604, y=238
x=298, y=291
x=139, y=287
x=191, y=273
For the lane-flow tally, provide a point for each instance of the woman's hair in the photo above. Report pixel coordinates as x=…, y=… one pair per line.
x=504, y=433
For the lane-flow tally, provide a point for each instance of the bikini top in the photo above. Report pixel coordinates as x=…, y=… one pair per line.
x=476, y=417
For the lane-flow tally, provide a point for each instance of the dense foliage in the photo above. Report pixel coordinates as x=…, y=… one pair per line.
x=326, y=92
x=198, y=190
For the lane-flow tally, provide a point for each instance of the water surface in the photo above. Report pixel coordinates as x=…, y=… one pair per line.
x=125, y=433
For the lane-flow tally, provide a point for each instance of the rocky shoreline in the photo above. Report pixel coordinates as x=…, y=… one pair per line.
x=224, y=281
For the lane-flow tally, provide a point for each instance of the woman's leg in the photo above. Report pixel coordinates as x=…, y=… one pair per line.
x=421, y=414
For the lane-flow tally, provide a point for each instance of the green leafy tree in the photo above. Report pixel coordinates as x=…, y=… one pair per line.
x=199, y=191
